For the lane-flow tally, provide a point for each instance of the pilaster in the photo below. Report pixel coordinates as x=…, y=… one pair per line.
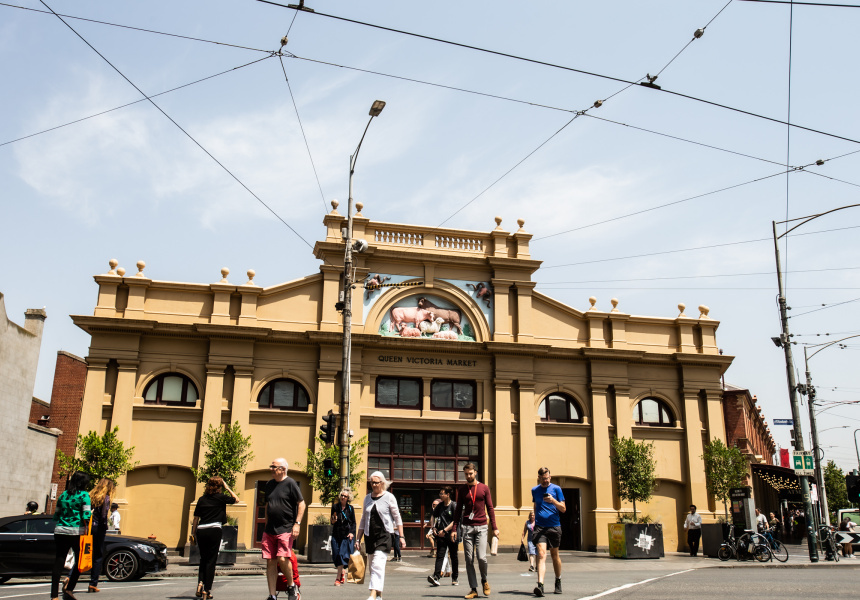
x=502, y=322
x=503, y=494
x=524, y=311
x=693, y=444
x=123, y=406
x=527, y=421
x=94, y=396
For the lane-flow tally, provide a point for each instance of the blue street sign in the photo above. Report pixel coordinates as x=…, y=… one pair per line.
x=783, y=422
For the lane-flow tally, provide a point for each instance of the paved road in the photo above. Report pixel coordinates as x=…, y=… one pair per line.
x=584, y=577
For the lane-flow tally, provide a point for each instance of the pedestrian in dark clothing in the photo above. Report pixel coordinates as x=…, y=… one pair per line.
x=285, y=508
x=209, y=516
x=72, y=516
x=444, y=526
x=342, y=533
x=474, y=512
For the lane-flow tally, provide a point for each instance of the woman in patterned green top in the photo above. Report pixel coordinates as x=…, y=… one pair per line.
x=72, y=517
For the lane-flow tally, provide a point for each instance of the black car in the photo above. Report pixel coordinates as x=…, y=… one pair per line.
x=27, y=548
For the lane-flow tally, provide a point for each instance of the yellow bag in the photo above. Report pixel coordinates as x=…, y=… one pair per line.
x=355, y=571
x=85, y=555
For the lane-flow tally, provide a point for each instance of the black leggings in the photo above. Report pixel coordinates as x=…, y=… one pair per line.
x=64, y=543
x=443, y=544
x=209, y=544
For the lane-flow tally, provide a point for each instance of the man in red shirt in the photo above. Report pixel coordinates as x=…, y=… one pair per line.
x=474, y=504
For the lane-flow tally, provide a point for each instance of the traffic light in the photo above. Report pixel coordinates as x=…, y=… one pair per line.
x=327, y=429
x=328, y=467
x=852, y=483
x=790, y=432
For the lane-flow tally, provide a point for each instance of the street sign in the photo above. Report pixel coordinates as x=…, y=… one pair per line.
x=784, y=422
x=803, y=464
x=843, y=537
x=53, y=491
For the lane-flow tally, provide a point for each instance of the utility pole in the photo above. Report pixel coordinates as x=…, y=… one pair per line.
x=785, y=341
x=822, y=491
x=346, y=306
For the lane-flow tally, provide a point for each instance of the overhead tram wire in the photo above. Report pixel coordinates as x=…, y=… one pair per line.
x=700, y=277
x=104, y=112
x=176, y=35
x=188, y=135
x=698, y=34
x=824, y=308
x=824, y=4
x=572, y=70
x=600, y=260
x=302, y=128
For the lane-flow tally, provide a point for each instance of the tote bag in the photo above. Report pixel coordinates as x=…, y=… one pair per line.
x=85, y=555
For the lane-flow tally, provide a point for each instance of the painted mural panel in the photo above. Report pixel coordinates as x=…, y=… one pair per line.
x=378, y=284
x=426, y=316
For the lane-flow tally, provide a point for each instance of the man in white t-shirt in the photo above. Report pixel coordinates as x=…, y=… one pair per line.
x=760, y=521
x=693, y=525
x=114, y=518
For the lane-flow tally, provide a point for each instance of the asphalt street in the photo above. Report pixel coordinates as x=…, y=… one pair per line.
x=584, y=577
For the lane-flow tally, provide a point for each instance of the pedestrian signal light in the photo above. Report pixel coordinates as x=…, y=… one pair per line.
x=328, y=467
x=791, y=433
x=852, y=483
x=327, y=429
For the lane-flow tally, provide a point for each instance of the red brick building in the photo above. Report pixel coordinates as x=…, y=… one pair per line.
x=746, y=427
x=64, y=411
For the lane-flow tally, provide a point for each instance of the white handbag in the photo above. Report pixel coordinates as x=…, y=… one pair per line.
x=70, y=559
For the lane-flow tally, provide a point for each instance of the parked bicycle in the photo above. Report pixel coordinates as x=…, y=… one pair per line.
x=745, y=547
x=777, y=548
x=827, y=539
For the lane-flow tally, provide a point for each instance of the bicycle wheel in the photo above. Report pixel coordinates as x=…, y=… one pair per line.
x=762, y=552
x=779, y=551
x=833, y=549
x=724, y=553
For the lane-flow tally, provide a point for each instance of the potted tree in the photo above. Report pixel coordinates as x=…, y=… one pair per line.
x=227, y=454
x=635, y=467
x=326, y=482
x=725, y=468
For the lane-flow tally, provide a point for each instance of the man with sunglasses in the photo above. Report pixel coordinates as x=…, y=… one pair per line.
x=285, y=508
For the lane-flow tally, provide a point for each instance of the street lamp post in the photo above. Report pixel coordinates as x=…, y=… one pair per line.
x=810, y=391
x=348, y=282
x=784, y=341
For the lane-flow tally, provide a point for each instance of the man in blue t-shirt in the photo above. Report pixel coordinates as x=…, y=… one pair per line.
x=549, y=504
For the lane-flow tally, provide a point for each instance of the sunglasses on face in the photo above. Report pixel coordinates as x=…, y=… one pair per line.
x=275, y=467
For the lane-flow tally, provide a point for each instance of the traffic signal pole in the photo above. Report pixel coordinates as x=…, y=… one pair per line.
x=785, y=339
x=819, y=474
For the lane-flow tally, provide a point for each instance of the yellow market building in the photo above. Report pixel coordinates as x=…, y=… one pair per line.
x=461, y=360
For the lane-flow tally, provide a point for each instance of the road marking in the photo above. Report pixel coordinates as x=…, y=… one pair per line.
x=630, y=585
x=125, y=587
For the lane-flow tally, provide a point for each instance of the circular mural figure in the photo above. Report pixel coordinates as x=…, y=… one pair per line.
x=425, y=316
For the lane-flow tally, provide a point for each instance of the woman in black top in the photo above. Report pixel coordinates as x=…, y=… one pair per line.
x=342, y=533
x=209, y=515
x=100, y=502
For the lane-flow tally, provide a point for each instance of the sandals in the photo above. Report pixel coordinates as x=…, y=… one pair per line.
x=199, y=592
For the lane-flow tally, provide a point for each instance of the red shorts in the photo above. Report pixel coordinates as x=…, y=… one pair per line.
x=277, y=545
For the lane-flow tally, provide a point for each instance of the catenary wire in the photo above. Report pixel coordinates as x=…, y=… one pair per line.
x=304, y=136
x=824, y=308
x=573, y=70
x=652, y=208
x=104, y=112
x=176, y=35
x=702, y=277
x=804, y=3
x=199, y=145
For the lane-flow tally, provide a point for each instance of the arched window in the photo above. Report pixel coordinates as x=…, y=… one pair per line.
x=653, y=412
x=559, y=408
x=283, y=394
x=173, y=389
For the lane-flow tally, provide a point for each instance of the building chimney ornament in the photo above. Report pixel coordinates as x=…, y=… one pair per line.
x=681, y=307
x=498, y=223
x=358, y=207
x=704, y=310
x=593, y=301
x=120, y=271
x=614, y=302
x=521, y=222
x=334, y=205
x=113, y=263
x=224, y=272
x=140, y=267
x=251, y=274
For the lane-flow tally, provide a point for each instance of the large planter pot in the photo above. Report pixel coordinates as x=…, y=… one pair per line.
x=229, y=535
x=318, y=547
x=713, y=535
x=633, y=540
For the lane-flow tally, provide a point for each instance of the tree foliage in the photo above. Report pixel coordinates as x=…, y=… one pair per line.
x=102, y=456
x=834, y=484
x=725, y=468
x=635, y=470
x=227, y=454
x=329, y=487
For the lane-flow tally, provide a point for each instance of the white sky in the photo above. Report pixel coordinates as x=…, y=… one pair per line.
x=130, y=185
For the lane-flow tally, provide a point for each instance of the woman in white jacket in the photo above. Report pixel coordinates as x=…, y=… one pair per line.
x=379, y=518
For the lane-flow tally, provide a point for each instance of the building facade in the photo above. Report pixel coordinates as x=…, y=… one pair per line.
x=27, y=448
x=456, y=357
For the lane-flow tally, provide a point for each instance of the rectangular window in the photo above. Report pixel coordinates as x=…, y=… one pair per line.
x=379, y=442
x=440, y=444
x=453, y=395
x=440, y=470
x=408, y=443
x=394, y=392
x=414, y=456
x=379, y=464
x=408, y=469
